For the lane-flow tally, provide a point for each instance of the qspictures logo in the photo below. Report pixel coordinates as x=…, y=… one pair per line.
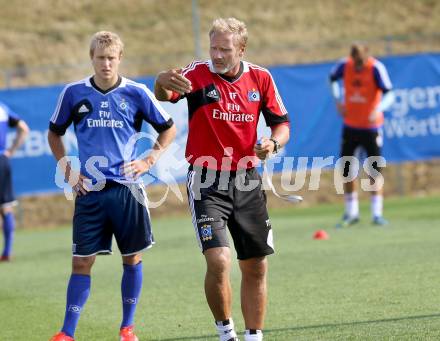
x=414, y=113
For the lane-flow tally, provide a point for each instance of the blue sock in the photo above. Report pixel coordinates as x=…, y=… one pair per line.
x=8, y=233
x=77, y=293
x=131, y=286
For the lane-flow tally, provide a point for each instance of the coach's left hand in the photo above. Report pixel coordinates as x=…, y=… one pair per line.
x=264, y=148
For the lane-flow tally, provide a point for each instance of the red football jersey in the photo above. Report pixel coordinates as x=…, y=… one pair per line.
x=224, y=113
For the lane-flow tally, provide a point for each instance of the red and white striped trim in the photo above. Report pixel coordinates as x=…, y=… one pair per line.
x=192, y=66
x=277, y=94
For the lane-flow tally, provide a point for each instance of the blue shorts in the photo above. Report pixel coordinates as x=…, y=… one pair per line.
x=6, y=193
x=113, y=211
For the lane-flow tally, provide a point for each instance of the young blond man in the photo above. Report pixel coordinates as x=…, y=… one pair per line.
x=107, y=110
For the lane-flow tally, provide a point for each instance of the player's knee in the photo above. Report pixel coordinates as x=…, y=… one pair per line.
x=82, y=265
x=132, y=260
x=6, y=210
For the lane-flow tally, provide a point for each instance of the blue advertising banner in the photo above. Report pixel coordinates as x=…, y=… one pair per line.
x=412, y=124
x=411, y=130
x=33, y=166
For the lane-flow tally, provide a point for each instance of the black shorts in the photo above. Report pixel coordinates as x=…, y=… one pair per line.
x=119, y=210
x=354, y=139
x=6, y=193
x=233, y=199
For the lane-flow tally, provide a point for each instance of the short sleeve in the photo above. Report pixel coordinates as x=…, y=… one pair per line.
x=152, y=111
x=337, y=71
x=381, y=77
x=273, y=108
x=13, y=117
x=62, y=116
x=10, y=116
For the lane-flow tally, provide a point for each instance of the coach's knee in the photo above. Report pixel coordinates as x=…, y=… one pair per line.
x=254, y=269
x=218, y=261
x=82, y=265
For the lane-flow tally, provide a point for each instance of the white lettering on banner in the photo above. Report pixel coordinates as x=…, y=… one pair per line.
x=415, y=98
x=401, y=125
x=36, y=144
x=412, y=127
x=233, y=117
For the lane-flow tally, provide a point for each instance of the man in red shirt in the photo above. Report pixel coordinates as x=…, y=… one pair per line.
x=225, y=97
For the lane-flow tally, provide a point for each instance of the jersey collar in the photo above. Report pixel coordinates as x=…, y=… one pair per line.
x=97, y=88
x=244, y=67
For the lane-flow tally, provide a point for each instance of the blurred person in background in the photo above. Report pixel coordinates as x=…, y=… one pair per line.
x=107, y=110
x=8, y=119
x=225, y=97
x=368, y=92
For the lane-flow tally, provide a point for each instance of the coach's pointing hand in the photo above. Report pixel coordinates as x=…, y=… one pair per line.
x=174, y=80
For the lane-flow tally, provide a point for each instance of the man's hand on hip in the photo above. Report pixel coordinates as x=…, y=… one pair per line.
x=341, y=108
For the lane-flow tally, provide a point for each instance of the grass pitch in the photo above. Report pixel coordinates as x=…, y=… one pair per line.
x=364, y=283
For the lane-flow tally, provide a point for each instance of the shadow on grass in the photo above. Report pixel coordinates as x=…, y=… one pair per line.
x=316, y=326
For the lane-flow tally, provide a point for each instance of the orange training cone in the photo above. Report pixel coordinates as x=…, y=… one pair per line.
x=321, y=235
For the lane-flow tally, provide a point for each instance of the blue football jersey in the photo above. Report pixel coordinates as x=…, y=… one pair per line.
x=8, y=118
x=104, y=122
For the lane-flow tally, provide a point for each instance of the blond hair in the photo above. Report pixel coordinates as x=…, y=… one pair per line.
x=106, y=39
x=231, y=25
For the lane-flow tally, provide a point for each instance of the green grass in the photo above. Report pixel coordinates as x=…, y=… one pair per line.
x=364, y=283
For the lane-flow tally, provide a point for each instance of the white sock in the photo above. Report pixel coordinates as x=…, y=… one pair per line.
x=225, y=329
x=351, y=204
x=253, y=335
x=376, y=205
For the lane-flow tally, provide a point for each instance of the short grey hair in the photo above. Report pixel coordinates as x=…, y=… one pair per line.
x=231, y=25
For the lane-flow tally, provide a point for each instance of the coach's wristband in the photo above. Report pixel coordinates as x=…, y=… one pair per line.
x=276, y=147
